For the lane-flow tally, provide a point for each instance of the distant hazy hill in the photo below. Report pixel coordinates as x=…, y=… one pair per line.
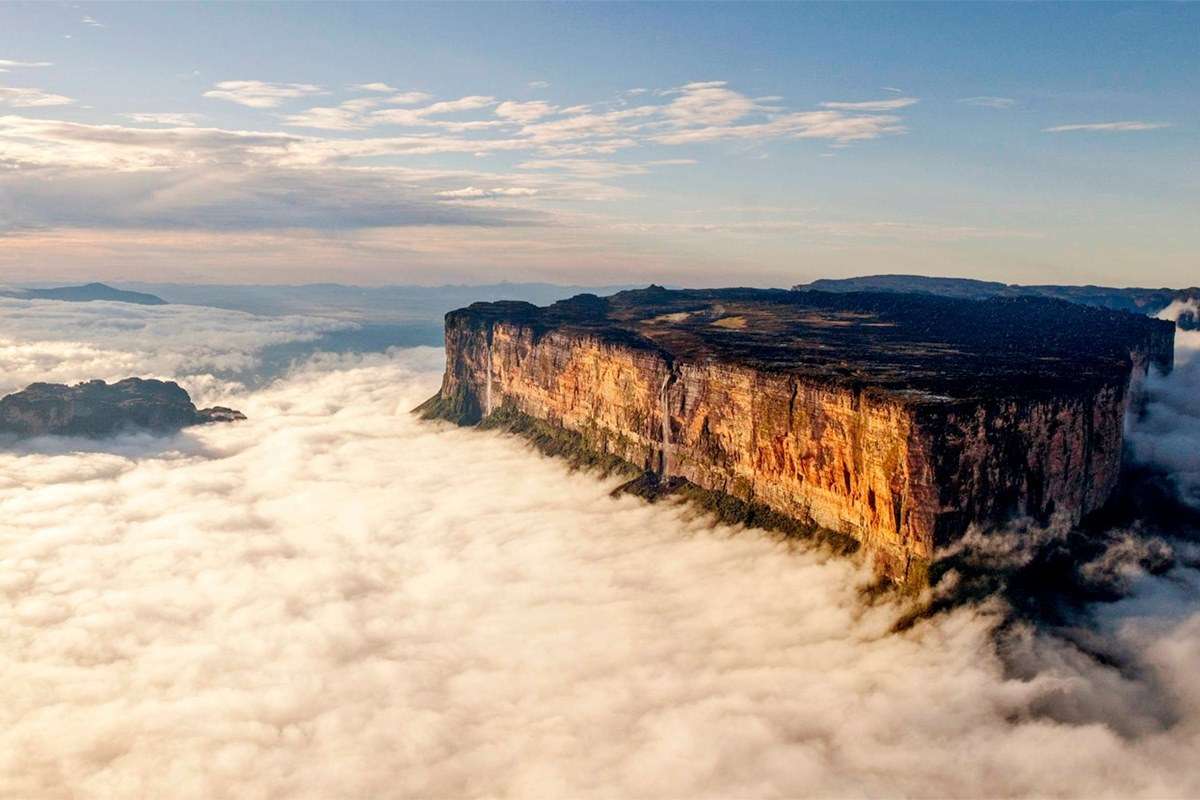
x=1136, y=300
x=84, y=294
x=382, y=304
x=382, y=316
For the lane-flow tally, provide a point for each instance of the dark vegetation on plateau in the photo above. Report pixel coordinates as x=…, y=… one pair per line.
x=943, y=348
x=1134, y=300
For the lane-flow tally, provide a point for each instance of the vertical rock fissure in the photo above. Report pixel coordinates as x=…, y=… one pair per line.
x=1089, y=431
x=487, y=392
x=666, y=424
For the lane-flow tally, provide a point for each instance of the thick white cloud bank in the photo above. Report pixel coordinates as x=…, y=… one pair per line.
x=335, y=600
x=205, y=349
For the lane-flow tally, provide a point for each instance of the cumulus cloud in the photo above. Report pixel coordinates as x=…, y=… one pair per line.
x=475, y=193
x=261, y=94
x=358, y=113
x=835, y=125
x=421, y=116
x=409, y=98
x=695, y=112
x=373, y=87
x=9, y=63
x=1108, y=127
x=172, y=119
x=347, y=116
x=35, y=143
x=708, y=103
x=24, y=97
x=167, y=171
x=524, y=112
x=226, y=198
x=334, y=599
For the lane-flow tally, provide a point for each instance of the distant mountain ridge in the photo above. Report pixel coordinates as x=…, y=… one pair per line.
x=86, y=293
x=1135, y=300
x=390, y=303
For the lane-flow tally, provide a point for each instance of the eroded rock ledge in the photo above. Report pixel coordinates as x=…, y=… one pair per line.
x=893, y=420
x=96, y=408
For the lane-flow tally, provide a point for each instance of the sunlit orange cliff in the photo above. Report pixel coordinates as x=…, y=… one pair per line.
x=895, y=421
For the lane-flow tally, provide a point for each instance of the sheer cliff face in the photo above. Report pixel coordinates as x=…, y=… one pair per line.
x=900, y=471
x=996, y=460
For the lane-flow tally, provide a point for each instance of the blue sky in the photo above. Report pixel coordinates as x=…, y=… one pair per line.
x=690, y=144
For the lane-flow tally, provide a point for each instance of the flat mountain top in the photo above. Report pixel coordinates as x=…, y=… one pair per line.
x=1137, y=300
x=86, y=293
x=97, y=408
x=921, y=347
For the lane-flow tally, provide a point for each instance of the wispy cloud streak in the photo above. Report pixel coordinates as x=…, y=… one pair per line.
x=1108, y=127
x=261, y=94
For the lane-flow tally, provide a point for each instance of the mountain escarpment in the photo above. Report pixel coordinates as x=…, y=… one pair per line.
x=895, y=420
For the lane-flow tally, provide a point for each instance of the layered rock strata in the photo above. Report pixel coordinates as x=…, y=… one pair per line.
x=897, y=420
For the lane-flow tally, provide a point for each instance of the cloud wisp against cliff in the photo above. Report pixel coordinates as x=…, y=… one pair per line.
x=334, y=599
x=1059, y=577
x=1168, y=435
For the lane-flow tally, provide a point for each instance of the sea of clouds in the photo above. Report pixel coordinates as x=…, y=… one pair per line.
x=207, y=349
x=336, y=600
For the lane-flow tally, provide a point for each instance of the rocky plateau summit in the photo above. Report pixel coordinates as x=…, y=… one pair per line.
x=96, y=409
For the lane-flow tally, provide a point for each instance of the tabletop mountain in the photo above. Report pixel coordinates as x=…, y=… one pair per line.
x=96, y=408
x=894, y=420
